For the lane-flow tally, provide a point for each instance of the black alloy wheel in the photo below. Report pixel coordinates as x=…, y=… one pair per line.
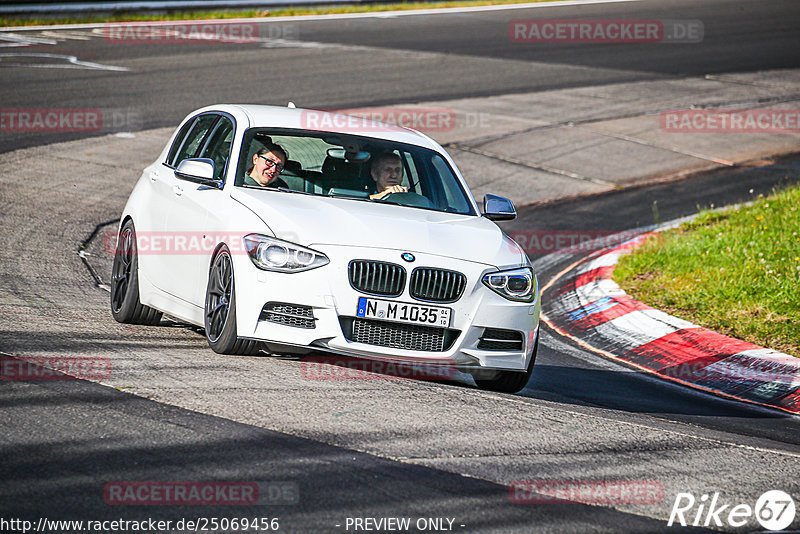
x=220, y=309
x=125, y=304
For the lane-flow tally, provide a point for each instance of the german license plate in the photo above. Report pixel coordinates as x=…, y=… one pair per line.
x=405, y=312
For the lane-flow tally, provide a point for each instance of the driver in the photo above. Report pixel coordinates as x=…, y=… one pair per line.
x=387, y=172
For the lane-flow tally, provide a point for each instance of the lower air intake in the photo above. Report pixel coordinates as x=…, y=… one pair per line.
x=398, y=335
x=497, y=339
x=288, y=314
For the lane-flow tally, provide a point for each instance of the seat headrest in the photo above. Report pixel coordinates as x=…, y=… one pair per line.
x=293, y=166
x=342, y=173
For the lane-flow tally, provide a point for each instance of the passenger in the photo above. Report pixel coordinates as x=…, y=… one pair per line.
x=387, y=172
x=268, y=163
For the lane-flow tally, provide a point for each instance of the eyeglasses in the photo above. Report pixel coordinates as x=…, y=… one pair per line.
x=271, y=163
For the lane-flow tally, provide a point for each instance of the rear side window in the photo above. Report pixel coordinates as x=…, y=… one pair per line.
x=176, y=144
x=218, y=147
x=187, y=145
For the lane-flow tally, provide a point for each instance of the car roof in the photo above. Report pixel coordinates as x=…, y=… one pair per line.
x=261, y=116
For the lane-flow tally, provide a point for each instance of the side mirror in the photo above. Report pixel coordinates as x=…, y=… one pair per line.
x=199, y=170
x=497, y=208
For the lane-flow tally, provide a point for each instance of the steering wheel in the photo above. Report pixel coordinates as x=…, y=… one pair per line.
x=408, y=199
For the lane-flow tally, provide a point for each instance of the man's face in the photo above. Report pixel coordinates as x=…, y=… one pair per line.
x=267, y=166
x=387, y=172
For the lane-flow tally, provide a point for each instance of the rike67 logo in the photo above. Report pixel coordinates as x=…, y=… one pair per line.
x=774, y=510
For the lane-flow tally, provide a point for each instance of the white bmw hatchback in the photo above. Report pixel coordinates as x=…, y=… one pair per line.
x=318, y=258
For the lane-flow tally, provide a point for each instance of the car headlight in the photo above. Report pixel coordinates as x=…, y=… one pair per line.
x=516, y=284
x=271, y=254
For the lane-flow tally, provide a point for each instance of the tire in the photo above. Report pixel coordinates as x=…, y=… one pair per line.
x=125, y=304
x=509, y=381
x=220, y=309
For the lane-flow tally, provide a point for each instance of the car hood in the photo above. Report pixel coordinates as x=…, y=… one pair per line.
x=317, y=220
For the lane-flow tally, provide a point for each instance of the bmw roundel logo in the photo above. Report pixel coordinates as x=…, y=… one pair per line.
x=407, y=256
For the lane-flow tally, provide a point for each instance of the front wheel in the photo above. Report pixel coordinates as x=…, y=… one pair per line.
x=125, y=304
x=509, y=381
x=220, y=309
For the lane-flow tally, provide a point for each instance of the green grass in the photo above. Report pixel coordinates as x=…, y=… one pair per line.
x=278, y=12
x=735, y=271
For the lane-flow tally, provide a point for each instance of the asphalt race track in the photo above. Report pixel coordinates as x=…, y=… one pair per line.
x=325, y=452
x=381, y=60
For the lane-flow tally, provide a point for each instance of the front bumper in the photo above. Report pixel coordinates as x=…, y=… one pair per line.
x=333, y=303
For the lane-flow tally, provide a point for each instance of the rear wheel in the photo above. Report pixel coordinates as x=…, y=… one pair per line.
x=508, y=381
x=125, y=305
x=220, y=309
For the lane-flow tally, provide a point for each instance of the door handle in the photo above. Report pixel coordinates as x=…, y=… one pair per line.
x=178, y=190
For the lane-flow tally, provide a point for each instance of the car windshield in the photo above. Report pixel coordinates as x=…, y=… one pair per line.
x=355, y=167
